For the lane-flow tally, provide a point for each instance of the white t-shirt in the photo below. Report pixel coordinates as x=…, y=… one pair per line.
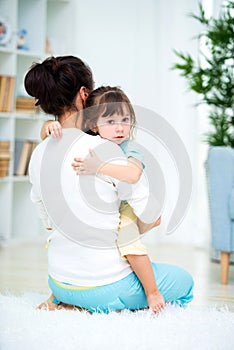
x=83, y=210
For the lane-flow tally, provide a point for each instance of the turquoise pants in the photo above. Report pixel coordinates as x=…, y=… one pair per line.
x=174, y=283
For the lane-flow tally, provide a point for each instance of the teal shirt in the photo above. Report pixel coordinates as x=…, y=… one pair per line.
x=132, y=150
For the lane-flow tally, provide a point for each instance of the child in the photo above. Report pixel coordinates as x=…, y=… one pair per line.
x=112, y=117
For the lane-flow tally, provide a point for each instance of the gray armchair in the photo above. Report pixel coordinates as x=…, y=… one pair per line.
x=220, y=171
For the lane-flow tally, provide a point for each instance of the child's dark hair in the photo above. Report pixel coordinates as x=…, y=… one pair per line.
x=103, y=102
x=55, y=82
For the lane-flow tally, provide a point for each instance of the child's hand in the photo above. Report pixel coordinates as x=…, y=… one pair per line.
x=54, y=129
x=87, y=166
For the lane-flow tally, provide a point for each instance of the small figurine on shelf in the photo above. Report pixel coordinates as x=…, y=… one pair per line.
x=21, y=40
x=2, y=29
x=5, y=32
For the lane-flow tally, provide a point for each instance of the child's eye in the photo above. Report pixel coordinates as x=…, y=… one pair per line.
x=110, y=122
x=126, y=120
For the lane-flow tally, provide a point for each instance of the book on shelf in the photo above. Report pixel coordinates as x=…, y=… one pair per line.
x=33, y=146
x=7, y=86
x=5, y=157
x=22, y=155
x=26, y=104
x=4, y=146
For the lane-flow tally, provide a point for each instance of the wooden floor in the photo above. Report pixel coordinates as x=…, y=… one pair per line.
x=23, y=268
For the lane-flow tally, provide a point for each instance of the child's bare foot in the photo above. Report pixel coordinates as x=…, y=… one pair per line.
x=156, y=302
x=49, y=304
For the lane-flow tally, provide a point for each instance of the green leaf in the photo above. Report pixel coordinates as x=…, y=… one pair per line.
x=214, y=79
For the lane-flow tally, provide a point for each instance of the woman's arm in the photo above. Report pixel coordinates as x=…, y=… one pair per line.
x=130, y=173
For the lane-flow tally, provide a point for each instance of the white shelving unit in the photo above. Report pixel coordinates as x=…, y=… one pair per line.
x=42, y=19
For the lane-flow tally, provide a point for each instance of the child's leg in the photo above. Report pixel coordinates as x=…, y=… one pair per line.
x=135, y=252
x=128, y=232
x=142, y=267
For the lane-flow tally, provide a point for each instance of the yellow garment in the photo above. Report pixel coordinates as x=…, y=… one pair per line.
x=128, y=240
x=71, y=287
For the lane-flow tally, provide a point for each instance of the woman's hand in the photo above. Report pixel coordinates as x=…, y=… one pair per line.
x=87, y=166
x=54, y=129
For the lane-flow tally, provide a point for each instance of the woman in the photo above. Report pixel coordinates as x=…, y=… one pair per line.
x=85, y=268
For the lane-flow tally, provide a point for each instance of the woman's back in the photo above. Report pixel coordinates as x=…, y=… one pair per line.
x=84, y=211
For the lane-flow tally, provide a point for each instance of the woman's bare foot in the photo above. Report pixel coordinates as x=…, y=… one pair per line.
x=156, y=302
x=73, y=308
x=49, y=304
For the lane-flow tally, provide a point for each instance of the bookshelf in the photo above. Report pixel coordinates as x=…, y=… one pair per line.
x=31, y=33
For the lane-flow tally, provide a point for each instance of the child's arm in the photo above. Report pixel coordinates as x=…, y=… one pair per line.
x=51, y=127
x=129, y=173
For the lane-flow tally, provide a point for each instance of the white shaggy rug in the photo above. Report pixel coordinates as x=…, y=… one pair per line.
x=22, y=327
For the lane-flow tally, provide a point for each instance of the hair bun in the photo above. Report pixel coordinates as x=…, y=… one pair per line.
x=52, y=64
x=55, y=64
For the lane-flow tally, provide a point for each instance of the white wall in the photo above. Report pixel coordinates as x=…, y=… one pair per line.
x=130, y=43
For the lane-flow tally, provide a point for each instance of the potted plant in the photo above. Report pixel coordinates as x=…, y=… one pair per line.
x=211, y=76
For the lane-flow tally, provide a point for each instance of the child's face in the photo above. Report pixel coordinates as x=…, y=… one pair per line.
x=115, y=128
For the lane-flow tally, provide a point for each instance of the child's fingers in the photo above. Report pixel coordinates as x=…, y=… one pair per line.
x=47, y=131
x=92, y=153
x=79, y=159
x=54, y=129
x=82, y=172
x=56, y=133
x=77, y=166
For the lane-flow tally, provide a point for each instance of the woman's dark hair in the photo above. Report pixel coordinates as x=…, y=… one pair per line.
x=104, y=102
x=55, y=82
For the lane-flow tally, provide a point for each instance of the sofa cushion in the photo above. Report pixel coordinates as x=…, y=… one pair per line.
x=231, y=204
